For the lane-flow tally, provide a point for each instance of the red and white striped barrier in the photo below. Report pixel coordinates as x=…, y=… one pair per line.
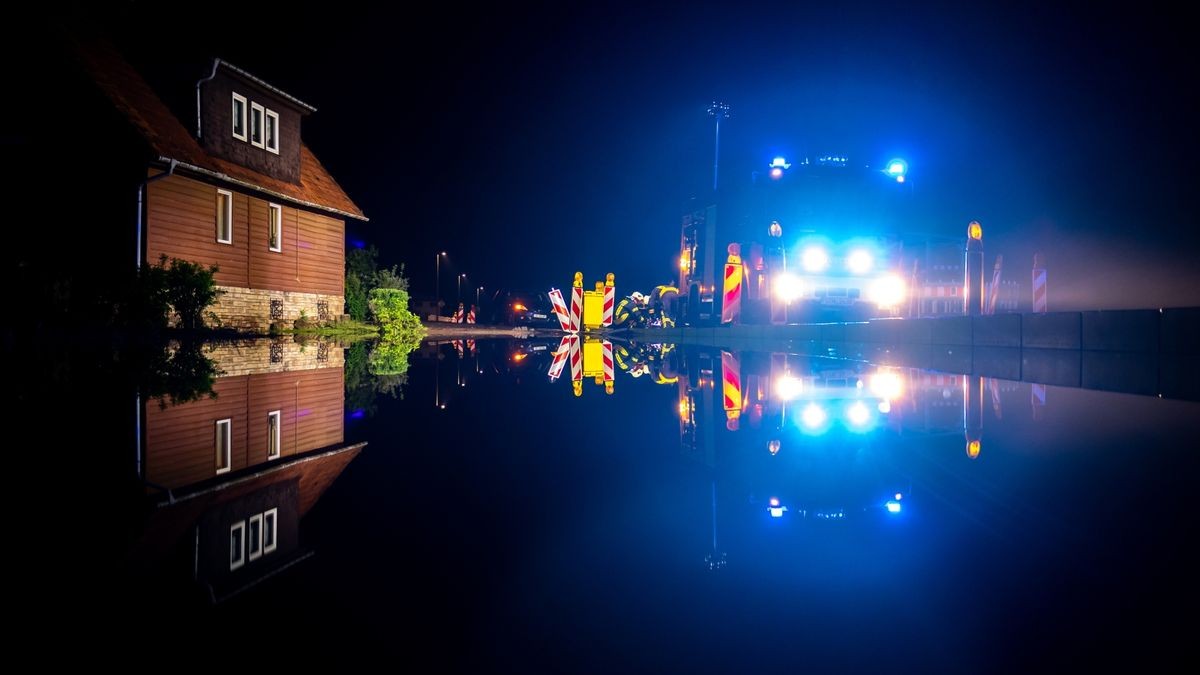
x=560, y=309
x=559, y=359
x=994, y=389
x=1039, y=284
x=994, y=294
x=1037, y=398
x=607, y=351
x=610, y=297
x=576, y=302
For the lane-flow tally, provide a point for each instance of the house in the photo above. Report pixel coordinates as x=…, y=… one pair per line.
x=235, y=187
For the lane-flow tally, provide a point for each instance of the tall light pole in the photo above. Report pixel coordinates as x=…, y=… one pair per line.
x=477, y=295
x=437, y=266
x=460, y=280
x=718, y=110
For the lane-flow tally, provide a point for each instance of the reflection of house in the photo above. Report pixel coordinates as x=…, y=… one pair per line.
x=232, y=476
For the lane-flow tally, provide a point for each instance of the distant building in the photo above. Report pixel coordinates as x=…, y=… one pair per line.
x=235, y=187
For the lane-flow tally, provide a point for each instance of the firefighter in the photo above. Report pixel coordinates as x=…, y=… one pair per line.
x=629, y=311
x=665, y=300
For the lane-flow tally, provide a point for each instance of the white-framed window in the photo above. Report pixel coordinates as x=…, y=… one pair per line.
x=254, y=537
x=237, y=545
x=224, y=217
x=239, y=116
x=275, y=227
x=270, y=537
x=256, y=125
x=273, y=435
x=272, y=131
x=224, y=443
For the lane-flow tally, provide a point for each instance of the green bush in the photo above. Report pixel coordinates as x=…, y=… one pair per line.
x=356, y=298
x=397, y=323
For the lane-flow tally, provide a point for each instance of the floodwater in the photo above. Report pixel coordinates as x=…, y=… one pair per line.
x=720, y=511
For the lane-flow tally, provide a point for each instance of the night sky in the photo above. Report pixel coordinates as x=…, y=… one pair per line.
x=529, y=142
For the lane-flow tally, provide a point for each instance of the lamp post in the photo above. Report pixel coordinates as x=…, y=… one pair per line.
x=437, y=266
x=477, y=296
x=460, y=280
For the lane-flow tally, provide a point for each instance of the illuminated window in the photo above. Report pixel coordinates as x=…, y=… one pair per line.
x=275, y=227
x=273, y=435
x=256, y=125
x=237, y=545
x=224, y=217
x=269, y=540
x=272, y=131
x=239, y=117
x=224, y=441
x=254, y=537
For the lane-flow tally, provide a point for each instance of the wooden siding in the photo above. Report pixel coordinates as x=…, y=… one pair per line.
x=180, y=440
x=181, y=223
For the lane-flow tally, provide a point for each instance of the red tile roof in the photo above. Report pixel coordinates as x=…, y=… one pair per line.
x=168, y=139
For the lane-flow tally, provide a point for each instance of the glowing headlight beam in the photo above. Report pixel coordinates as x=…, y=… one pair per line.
x=860, y=261
x=788, y=287
x=815, y=259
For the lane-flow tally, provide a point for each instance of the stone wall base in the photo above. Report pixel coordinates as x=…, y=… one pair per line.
x=252, y=310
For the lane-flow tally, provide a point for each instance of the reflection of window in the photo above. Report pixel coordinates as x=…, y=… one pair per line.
x=273, y=435
x=224, y=217
x=239, y=117
x=275, y=227
x=223, y=442
x=272, y=131
x=254, y=537
x=237, y=545
x=269, y=541
x=256, y=125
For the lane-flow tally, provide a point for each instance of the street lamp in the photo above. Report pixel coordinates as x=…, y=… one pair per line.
x=477, y=295
x=460, y=280
x=437, y=266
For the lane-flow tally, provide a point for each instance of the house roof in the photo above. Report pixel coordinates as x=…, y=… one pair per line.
x=221, y=63
x=169, y=140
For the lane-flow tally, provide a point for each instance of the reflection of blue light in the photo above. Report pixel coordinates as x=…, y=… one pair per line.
x=897, y=167
x=893, y=506
x=858, y=415
x=777, y=511
x=776, y=173
x=773, y=501
x=358, y=414
x=358, y=243
x=813, y=416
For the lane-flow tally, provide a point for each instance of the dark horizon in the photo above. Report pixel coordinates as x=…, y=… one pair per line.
x=535, y=142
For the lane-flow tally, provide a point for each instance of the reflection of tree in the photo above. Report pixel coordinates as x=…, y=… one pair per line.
x=374, y=370
x=176, y=373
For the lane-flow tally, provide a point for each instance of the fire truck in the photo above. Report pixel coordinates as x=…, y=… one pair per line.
x=811, y=240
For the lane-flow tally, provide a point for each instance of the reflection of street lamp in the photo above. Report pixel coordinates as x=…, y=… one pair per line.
x=437, y=266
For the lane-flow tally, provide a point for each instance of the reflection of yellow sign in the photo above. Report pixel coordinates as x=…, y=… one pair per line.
x=975, y=230
x=973, y=449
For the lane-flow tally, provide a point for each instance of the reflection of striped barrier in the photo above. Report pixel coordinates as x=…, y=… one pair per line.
x=607, y=357
x=576, y=301
x=610, y=297
x=939, y=380
x=1039, y=284
x=576, y=367
x=1037, y=397
x=731, y=388
x=560, y=309
x=731, y=307
x=994, y=389
x=560, y=358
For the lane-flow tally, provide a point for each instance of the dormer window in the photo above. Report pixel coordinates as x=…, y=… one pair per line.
x=239, y=117
x=256, y=125
x=272, y=131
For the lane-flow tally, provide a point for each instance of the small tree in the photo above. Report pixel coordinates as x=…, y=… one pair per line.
x=398, y=323
x=190, y=289
x=356, y=298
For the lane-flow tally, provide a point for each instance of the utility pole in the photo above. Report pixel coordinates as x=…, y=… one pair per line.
x=718, y=110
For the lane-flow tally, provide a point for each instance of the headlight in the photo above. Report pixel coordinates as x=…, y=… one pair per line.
x=788, y=387
x=788, y=287
x=888, y=291
x=860, y=262
x=815, y=259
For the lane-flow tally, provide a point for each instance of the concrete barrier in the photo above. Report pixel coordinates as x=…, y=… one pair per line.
x=998, y=330
x=1132, y=330
x=1179, y=376
x=858, y=332
x=1051, y=366
x=1057, y=330
x=949, y=359
x=1179, y=330
x=950, y=330
x=833, y=332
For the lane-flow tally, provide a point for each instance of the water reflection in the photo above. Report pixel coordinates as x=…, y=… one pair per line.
x=230, y=476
